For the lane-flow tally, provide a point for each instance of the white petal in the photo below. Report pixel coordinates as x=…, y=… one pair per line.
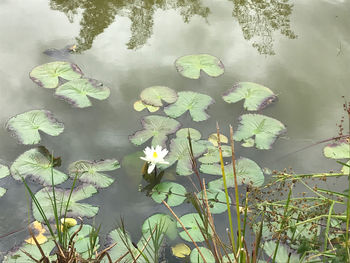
x=151, y=168
x=158, y=148
x=145, y=159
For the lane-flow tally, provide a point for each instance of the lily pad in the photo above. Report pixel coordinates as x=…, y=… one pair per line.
x=195, y=257
x=75, y=208
x=82, y=239
x=344, y=170
x=154, y=95
x=76, y=92
x=4, y=171
x=282, y=255
x=216, y=200
x=180, y=153
x=48, y=75
x=26, y=126
x=183, y=133
x=256, y=96
x=181, y=250
x=164, y=223
x=195, y=103
x=213, y=156
x=90, y=171
x=193, y=223
x=338, y=150
x=18, y=256
x=263, y=129
x=191, y=66
x=213, y=138
x=140, y=106
x=173, y=192
x=36, y=164
x=248, y=172
x=156, y=127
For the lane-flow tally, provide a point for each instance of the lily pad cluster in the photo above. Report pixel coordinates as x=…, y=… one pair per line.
x=70, y=83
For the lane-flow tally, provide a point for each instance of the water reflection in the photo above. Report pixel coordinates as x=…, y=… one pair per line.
x=97, y=15
x=260, y=18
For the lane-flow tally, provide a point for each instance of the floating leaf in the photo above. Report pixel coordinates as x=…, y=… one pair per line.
x=263, y=128
x=156, y=127
x=26, y=126
x=47, y=75
x=195, y=257
x=180, y=250
x=37, y=165
x=282, y=255
x=140, y=106
x=75, y=208
x=18, y=256
x=338, y=150
x=216, y=200
x=195, y=103
x=2, y=191
x=82, y=239
x=183, y=133
x=4, y=171
x=191, y=66
x=89, y=171
x=248, y=172
x=213, y=155
x=192, y=222
x=38, y=231
x=76, y=92
x=248, y=143
x=256, y=96
x=180, y=153
x=229, y=258
x=154, y=95
x=344, y=170
x=173, y=192
x=213, y=138
x=164, y=223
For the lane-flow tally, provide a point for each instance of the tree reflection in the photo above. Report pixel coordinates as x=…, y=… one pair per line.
x=97, y=15
x=260, y=18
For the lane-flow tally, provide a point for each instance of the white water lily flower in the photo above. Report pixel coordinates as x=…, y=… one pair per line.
x=154, y=156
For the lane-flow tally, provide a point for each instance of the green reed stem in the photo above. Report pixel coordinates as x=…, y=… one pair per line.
x=327, y=228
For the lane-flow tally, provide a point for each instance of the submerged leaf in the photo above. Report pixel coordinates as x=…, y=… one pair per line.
x=180, y=250
x=193, y=223
x=26, y=126
x=75, y=208
x=47, y=75
x=265, y=130
x=89, y=171
x=191, y=66
x=35, y=164
x=154, y=95
x=173, y=192
x=216, y=200
x=156, y=127
x=338, y=150
x=164, y=224
x=76, y=92
x=140, y=106
x=248, y=172
x=195, y=103
x=256, y=96
x=195, y=257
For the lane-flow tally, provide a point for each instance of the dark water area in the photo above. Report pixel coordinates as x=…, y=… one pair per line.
x=299, y=49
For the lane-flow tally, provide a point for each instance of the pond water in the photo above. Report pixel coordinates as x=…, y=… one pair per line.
x=299, y=49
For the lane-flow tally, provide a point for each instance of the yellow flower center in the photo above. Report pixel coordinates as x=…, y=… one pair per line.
x=155, y=155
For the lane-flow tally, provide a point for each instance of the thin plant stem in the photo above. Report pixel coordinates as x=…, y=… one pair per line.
x=327, y=228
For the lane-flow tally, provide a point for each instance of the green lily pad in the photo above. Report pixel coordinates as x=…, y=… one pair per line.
x=282, y=255
x=195, y=103
x=4, y=171
x=156, y=127
x=183, y=133
x=38, y=165
x=173, y=192
x=18, y=256
x=230, y=258
x=154, y=95
x=263, y=129
x=82, y=239
x=338, y=150
x=248, y=143
x=48, y=75
x=213, y=138
x=179, y=152
x=256, y=96
x=164, y=223
x=346, y=168
x=193, y=223
x=76, y=92
x=140, y=106
x=248, y=172
x=191, y=66
x=26, y=126
x=213, y=156
x=89, y=171
x=195, y=257
x=75, y=208
x=216, y=200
